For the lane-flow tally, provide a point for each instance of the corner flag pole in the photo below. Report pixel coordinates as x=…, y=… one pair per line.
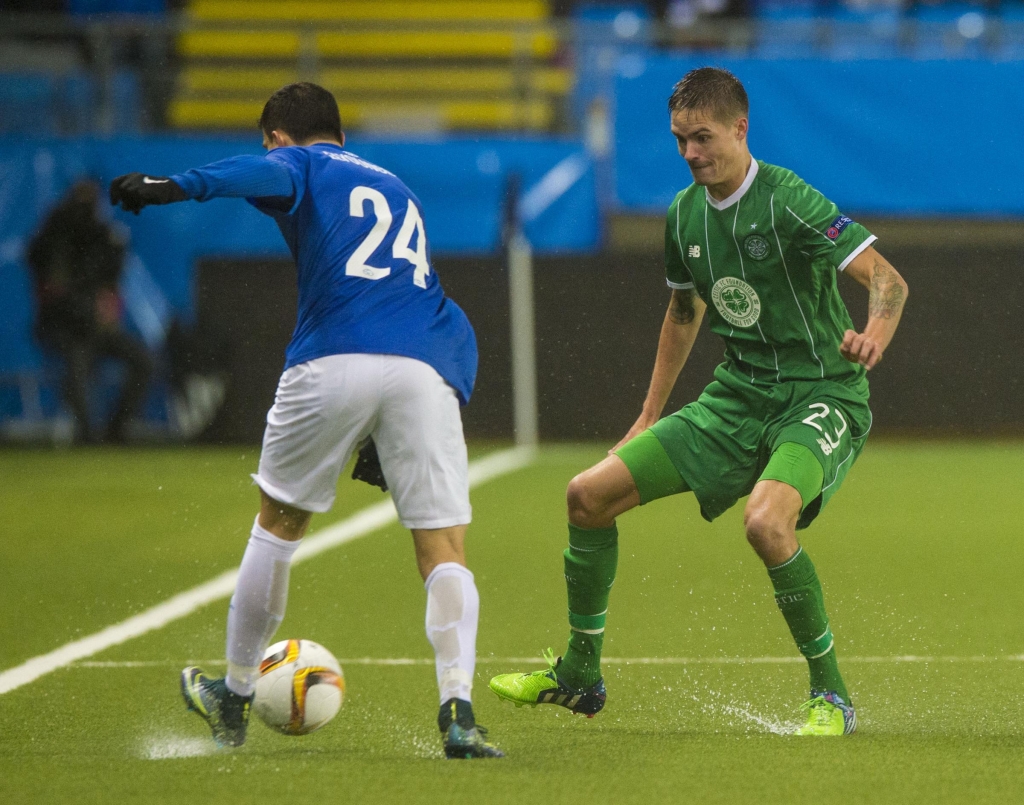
x=520, y=211
x=521, y=321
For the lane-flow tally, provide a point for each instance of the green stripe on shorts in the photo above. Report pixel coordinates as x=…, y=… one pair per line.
x=653, y=472
x=794, y=464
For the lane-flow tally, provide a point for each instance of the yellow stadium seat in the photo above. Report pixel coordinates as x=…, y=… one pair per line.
x=424, y=44
x=240, y=44
x=390, y=80
x=392, y=64
x=242, y=11
x=465, y=115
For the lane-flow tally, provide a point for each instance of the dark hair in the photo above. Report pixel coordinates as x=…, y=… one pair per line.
x=711, y=90
x=303, y=111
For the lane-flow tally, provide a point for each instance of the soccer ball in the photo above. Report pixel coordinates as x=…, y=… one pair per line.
x=300, y=688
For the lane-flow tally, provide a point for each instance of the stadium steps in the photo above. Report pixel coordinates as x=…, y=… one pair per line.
x=405, y=64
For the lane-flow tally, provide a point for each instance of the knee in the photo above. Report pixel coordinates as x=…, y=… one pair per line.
x=765, y=529
x=281, y=520
x=585, y=505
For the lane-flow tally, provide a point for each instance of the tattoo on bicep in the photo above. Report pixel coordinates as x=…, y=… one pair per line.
x=885, y=297
x=681, y=310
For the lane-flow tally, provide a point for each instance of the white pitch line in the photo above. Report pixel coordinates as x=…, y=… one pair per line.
x=359, y=524
x=393, y=661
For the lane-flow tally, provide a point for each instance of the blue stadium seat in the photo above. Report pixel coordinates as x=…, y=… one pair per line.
x=84, y=7
x=786, y=10
x=44, y=104
x=605, y=34
x=864, y=33
x=27, y=103
x=788, y=28
x=954, y=30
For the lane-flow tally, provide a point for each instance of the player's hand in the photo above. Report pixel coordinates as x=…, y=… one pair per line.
x=861, y=348
x=133, y=191
x=642, y=424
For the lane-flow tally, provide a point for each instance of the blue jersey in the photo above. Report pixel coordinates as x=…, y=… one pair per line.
x=356, y=232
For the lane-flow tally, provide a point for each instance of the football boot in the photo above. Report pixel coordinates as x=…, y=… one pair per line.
x=464, y=739
x=828, y=714
x=225, y=712
x=544, y=687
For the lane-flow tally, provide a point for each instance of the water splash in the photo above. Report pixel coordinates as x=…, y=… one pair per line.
x=171, y=747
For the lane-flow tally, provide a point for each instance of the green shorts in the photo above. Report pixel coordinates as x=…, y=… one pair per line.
x=720, y=446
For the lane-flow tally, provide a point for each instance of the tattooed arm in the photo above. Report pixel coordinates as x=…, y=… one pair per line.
x=678, y=332
x=887, y=293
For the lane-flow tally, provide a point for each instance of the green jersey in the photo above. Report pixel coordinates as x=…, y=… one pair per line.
x=765, y=261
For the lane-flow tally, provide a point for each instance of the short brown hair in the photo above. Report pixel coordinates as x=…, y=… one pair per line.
x=711, y=90
x=304, y=111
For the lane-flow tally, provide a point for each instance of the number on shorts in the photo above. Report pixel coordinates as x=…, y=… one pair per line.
x=821, y=411
x=401, y=249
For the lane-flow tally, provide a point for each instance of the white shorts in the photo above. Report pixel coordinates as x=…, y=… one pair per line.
x=325, y=408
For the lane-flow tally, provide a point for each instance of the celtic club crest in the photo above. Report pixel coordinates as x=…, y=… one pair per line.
x=757, y=246
x=736, y=301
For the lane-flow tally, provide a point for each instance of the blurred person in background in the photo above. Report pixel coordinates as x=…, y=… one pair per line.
x=76, y=260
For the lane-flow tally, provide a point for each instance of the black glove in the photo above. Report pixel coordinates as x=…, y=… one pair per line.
x=368, y=466
x=133, y=191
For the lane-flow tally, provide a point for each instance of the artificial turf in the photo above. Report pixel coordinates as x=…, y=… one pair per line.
x=919, y=555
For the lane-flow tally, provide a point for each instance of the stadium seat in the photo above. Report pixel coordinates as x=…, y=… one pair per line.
x=369, y=11
x=85, y=7
x=55, y=103
x=1009, y=40
x=788, y=29
x=444, y=64
x=260, y=82
x=604, y=34
x=27, y=103
x=392, y=115
x=949, y=31
x=871, y=33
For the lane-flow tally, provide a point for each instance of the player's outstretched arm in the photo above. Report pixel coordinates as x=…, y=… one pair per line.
x=245, y=176
x=678, y=333
x=887, y=294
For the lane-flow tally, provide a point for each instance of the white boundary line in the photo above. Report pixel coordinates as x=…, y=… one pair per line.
x=393, y=661
x=359, y=524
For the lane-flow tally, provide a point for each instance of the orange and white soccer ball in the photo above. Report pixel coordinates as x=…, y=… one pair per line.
x=301, y=687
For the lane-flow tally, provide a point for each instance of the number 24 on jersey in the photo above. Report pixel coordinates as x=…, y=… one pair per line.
x=401, y=249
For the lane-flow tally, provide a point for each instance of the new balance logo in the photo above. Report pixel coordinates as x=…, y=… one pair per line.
x=693, y=251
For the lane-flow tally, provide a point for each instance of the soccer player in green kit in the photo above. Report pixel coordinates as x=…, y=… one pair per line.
x=783, y=421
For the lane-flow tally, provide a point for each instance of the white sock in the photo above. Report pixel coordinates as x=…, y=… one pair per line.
x=257, y=607
x=453, y=607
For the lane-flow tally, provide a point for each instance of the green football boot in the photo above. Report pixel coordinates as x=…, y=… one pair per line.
x=226, y=713
x=544, y=687
x=828, y=714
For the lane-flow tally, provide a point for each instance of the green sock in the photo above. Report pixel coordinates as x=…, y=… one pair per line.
x=799, y=596
x=590, y=562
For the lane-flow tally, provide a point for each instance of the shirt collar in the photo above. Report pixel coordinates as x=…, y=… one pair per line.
x=740, y=191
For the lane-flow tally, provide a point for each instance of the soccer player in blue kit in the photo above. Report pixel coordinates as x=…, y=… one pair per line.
x=378, y=352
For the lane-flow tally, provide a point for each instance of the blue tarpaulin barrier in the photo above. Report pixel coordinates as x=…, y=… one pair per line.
x=461, y=184
x=886, y=137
